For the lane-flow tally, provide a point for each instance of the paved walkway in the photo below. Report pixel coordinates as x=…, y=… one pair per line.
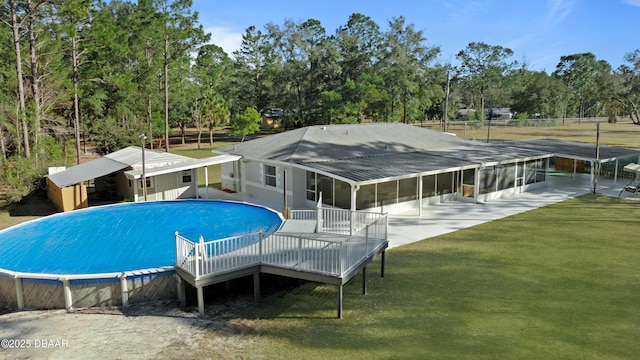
x=455, y=215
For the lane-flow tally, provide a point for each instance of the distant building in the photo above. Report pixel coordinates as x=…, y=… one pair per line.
x=501, y=114
x=119, y=176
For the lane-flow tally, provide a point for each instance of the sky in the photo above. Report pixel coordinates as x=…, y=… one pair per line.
x=538, y=31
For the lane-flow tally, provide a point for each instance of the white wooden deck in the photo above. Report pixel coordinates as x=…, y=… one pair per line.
x=345, y=243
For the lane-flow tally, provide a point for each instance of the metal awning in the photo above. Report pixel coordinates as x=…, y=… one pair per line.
x=576, y=150
x=86, y=171
x=215, y=160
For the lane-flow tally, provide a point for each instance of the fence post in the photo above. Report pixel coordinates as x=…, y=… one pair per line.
x=351, y=223
x=260, y=246
x=340, y=260
x=299, y=251
x=179, y=252
x=319, y=214
x=366, y=237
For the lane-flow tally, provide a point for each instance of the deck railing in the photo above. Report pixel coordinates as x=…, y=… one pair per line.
x=303, y=214
x=326, y=256
x=337, y=221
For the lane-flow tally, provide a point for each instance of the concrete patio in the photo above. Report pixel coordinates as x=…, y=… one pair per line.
x=452, y=216
x=455, y=215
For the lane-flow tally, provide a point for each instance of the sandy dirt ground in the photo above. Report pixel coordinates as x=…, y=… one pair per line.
x=158, y=330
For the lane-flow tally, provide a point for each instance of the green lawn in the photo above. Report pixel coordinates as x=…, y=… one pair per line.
x=560, y=282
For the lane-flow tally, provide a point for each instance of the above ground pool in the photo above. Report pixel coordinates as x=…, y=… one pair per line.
x=124, y=237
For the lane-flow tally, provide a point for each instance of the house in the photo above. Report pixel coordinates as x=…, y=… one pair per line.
x=120, y=175
x=501, y=114
x=396, y=168
x=389, y=167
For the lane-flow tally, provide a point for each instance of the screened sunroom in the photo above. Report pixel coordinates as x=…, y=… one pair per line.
x=375, y=183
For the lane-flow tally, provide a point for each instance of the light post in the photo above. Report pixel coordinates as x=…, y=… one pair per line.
x=143, y=137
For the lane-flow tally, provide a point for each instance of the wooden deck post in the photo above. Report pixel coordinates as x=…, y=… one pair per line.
x=182, y=296
x=340, y=301
x=364, y=280
x=200, y=300
x=382, y=265
x=256, y=285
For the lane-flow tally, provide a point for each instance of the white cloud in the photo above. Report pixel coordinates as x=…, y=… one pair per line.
x=224, y=37
x=632, y=2
x=560, y=9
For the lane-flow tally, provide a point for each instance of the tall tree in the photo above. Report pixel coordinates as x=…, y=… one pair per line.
x=483, y=66
x=73, y=19
x=580, y=73
x=16, y=23
x=181, y=35
x=628, y=92
x=405, y=60
x=359, y=44
x=255, y=62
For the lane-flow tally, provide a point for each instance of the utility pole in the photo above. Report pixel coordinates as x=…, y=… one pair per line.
x=596, y=165
x=143, y=137
x=446, y=101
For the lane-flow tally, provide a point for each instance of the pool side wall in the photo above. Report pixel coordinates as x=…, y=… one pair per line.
x=8, y=293
x=85, y=293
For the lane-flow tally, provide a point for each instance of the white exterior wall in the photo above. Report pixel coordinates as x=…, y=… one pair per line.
x=228, y=176
x=169, y=187
x=252, y=182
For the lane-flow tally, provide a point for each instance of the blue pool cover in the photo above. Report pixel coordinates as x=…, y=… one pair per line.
x=124, y=237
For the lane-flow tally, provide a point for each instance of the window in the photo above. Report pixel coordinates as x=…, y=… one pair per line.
x=186, y=176
x=150, y=183
x=325, y=186
x=311, y=186
x=270, y=175
x=387, y=192
x=366, y=197
x=487, y=180
x=407, y=189
x=342, y=194
x=444, y=183
x=428, y=186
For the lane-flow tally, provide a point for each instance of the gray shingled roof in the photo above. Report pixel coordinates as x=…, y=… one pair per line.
x=364, y=153
x=332, y=142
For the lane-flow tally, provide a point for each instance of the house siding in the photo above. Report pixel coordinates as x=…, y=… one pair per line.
x=170, y=187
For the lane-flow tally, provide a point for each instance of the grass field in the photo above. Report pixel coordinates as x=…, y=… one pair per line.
x=624, y=133
x=560, y=282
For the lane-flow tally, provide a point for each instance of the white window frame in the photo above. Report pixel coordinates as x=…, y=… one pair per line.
x=266, y=177
x=184, y=173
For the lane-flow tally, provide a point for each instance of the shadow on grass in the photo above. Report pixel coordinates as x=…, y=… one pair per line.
x=34, y=204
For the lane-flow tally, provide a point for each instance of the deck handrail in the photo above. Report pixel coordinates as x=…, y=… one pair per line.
x=303, y=214
x=327, y=256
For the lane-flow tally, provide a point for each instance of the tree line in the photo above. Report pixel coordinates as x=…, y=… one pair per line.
x=104, y=72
